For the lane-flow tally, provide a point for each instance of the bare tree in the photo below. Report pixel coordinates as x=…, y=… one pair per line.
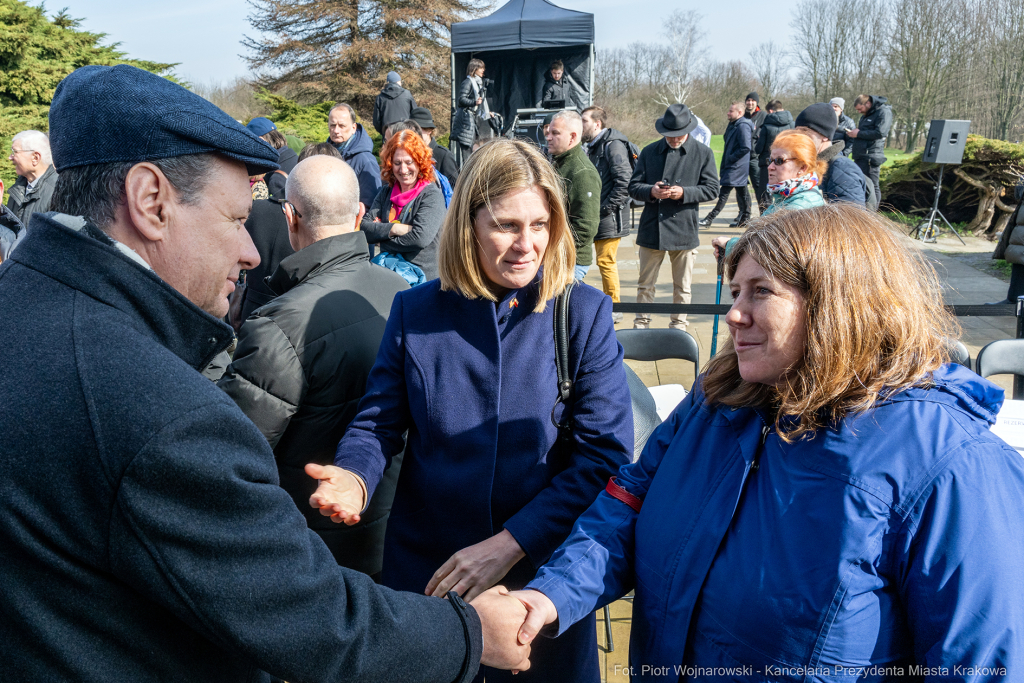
x=687, y=52
x=771, y=68
x=1004, y=38
x=822, y=33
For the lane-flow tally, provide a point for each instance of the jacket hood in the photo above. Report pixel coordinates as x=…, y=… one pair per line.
x=549, y=80
x=359, y=143
x=779, y=118
x=878, y=101
x=965, y=389
x=336, y=251
x=392, y=91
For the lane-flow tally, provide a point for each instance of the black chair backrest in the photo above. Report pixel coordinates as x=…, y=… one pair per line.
x=1001, y=357
x=652, y=345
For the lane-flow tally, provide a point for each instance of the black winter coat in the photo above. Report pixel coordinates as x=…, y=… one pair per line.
x=425, y=214
x=757, y=119
x=465, y=121
x=559, y=90
x=873, y=129
x=845, y=124
x=611, y=157
x=143, y=531
x=393, y=104
x=668, y=224
x=735, y=169
x=774, y=123
x=444, y=161
x=269, y=231
x=25, y=202
x=300, y=369
x=843, y=181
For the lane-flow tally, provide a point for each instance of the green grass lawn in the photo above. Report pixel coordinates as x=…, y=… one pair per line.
x=893, y=155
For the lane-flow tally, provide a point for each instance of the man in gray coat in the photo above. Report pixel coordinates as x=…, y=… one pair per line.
x=302, y=360
x=144, y=533
x=31, y=193
x=672, y=177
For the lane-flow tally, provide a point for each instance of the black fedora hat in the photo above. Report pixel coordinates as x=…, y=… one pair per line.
x=421, y=115
x=677, y=121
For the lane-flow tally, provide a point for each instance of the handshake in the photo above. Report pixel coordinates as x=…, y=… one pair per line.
x=509, y=622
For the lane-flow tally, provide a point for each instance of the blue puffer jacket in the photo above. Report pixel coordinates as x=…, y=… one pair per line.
x=891, y=542
x=843, y=181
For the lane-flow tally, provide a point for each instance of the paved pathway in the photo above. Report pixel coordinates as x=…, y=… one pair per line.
x=963, y=284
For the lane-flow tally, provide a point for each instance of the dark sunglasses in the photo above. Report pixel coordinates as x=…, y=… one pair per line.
x=285, y=202
x=778, y=161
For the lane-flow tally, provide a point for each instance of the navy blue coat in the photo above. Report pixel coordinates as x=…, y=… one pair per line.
x=891, y=541
x=735, y=167
x=843, y=181
x=359, y=155
x=143, y=533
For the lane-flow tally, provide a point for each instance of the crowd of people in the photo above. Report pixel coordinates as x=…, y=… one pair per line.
x=395, y=475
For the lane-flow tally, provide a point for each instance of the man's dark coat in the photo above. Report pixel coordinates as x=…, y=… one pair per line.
x=872, y=131
x=843, y=181
x=774, y=123
x=300, y=369
x=358, y=154
x=25, y=202
x=845, y=124
x=393, y=104
x=610, y=156
x=735, y=169
x=143, y=532
x=445, y=162
x=669, y=224
x=269, y=231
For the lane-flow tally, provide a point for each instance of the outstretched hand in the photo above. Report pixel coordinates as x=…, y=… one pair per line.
x=540, y=612
x=501, y=616
x=340, y=495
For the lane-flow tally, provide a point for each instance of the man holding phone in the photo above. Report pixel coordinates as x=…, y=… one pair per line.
x=672, y=177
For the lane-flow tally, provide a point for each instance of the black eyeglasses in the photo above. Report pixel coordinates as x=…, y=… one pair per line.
x=778, y=161
x=285, y=202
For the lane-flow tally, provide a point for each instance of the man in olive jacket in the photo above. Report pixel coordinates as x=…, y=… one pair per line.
x=672, y=177
x=302, y=360
x=582, y=184
x=143, y=533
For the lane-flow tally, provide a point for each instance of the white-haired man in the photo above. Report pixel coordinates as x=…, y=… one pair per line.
x=302, y=360
x=31, y=193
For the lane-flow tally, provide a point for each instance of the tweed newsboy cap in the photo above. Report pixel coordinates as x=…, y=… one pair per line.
x=104, y=114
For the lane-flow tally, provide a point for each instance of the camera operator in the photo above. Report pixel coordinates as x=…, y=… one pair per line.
x=472, y=110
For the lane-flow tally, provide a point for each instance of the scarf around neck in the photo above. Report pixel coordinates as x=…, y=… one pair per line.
x=399, y=199
x=788, y=188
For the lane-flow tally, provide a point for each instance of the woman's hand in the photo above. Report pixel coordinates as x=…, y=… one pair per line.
x=540, y=612
x=399, y=229
x=719, y=244
x=473, y=570
x=340, y=495
x=479, y=100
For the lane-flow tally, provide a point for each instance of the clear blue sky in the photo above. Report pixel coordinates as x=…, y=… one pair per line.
x=204, y=35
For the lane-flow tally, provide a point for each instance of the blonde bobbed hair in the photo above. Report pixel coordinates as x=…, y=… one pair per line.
x=497, y=168
x=875, y=322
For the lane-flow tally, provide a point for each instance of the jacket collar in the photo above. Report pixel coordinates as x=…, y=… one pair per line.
x=832, y=152
x=98, y=270
x=339, y=251
x=563, y=158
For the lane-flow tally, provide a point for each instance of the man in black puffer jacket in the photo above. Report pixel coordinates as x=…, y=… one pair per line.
x=869, y=138
x=302, y=360
x=393, y=104
x=557, y=87
x=777, y=120
x=609, y=151
x=843, y=181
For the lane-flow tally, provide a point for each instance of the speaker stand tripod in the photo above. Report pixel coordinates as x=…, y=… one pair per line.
x=928, y=229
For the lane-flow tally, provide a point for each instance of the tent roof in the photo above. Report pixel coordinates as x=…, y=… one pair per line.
x=524, y=24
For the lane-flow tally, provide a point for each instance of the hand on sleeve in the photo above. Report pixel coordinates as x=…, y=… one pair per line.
x=473, y=570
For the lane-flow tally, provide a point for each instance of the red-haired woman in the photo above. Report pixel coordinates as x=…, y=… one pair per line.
x=794, y=173
x=405, y=217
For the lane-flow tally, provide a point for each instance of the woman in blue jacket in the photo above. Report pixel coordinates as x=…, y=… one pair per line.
x=828, y=504
x=467, y=366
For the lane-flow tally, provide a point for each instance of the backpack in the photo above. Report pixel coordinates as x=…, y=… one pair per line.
x=632, y=154
x=446, y=186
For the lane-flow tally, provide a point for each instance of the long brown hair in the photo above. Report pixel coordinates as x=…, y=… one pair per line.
x=875, y=322
x=494, y=170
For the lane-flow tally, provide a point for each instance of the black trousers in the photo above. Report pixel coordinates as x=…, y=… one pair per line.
x=755, y=179
x=763, y=198
x=742, y=198
x=870, y=171
x=1016, y=280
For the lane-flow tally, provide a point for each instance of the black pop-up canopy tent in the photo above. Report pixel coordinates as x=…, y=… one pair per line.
x=517, y=44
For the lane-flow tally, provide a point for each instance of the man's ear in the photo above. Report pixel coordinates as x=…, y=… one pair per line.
x=359, y=216
x=291, y=219
x=149, y=199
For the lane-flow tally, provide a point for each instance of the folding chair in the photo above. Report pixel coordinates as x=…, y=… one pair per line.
x=1003, y=357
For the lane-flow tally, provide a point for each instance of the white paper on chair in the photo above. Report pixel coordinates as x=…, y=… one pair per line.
x=667, y=397
x=1009, y=424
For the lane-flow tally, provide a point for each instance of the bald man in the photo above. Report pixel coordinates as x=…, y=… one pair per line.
x=302, y=359
x=582, y=184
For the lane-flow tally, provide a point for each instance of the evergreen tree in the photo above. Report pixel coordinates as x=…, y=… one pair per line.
x=36, y=53
x=342, y=50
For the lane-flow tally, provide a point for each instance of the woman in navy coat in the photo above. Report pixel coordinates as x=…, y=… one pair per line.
x=467, y=367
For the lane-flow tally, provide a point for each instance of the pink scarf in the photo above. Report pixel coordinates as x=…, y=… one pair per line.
x=400, y=199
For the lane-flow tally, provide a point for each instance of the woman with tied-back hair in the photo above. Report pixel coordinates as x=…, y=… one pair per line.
x=472, y=106
x=467, y=366
x=828, y=504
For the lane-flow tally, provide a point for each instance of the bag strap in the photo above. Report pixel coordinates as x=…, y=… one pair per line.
x=565, y=384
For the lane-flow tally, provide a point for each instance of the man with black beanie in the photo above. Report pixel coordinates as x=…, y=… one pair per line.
x=843, y=181
x=756, y=116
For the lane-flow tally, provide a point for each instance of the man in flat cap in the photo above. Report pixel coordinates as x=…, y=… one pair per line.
x=144, y=534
